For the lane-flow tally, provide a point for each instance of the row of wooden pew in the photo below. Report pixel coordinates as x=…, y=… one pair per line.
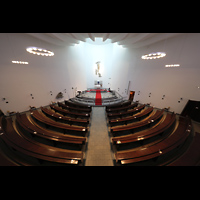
x=143, y=135
x=51, y=135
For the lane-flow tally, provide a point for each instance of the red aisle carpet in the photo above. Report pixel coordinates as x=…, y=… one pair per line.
x=98, y=100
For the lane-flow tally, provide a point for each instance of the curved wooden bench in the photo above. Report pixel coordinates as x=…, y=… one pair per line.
x=71, y=108
x=129, y=112
x=118, y=105
x=42, y=118
x=125, y=120
x=192, y=156
x=13, y=158
x=77, y=105
x=143, y=123
x=5, y=160
x=164, y=146
x=66, y=112
x=114, y=110
x=21, y=143
x=58, y=116
x=168, y=121
x=32, y=128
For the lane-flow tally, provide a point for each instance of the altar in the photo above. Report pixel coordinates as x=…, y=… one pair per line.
x=98, y=84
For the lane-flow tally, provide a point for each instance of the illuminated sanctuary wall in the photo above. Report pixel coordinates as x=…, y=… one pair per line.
x=72, y=68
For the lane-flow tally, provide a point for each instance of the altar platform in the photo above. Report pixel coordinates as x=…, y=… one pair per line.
x=98, y=97
x=94, y=90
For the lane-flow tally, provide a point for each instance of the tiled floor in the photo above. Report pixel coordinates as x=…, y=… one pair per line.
x=99, y=151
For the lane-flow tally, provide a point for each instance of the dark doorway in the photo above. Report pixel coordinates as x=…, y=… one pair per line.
x=192, y=109
x=131, y=95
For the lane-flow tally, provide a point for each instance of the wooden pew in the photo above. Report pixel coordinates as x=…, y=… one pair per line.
x=131, y=127
x=5, y=160
x=42, y=118
x=34, y=129
x=118, y=105
x=12, y=158
x=77, y=105
x=125, y=108
x=59, y=117
x=15, y=139
x=192, y=156
x=166, y=124
x=166, y=145
x=75, y=109
x=125, y=113
x=125, y=120
x=73, y=114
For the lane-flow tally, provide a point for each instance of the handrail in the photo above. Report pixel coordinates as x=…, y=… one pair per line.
x=91, y=101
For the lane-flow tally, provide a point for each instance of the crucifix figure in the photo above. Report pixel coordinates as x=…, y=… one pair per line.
x=98, y=69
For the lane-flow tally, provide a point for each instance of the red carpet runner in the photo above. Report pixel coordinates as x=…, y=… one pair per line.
x=98, y=100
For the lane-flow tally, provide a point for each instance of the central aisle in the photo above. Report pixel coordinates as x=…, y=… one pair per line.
x=99, y=151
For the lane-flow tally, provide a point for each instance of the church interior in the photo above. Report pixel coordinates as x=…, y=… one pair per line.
x=99, y=99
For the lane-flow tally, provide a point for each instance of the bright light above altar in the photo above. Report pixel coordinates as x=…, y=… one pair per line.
x=98, y=41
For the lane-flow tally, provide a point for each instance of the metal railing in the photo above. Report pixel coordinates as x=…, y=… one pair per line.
x=91, y=101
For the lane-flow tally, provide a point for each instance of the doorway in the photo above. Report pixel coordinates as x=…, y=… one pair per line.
x=131, y=95
x=192, y=109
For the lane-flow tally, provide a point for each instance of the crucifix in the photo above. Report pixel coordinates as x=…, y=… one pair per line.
x=97, y=71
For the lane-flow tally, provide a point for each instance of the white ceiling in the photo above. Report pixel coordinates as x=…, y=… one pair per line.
x=133, y=40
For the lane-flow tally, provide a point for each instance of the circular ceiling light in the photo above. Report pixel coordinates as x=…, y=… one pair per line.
x=154, y=55
x=39, y=51
x=173, y=65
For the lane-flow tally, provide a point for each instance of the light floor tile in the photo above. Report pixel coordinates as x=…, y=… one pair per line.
x=99, y=151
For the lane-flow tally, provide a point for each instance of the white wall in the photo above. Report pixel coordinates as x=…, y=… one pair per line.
x=121, y=68
x=42, y=75
x=70, y=67
x=74, y=66
x=114, y=64
x=93, y=54
x=151, y=76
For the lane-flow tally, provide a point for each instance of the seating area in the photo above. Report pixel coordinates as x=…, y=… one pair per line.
x=57, y=135
x=145, y=136
x=51, y=135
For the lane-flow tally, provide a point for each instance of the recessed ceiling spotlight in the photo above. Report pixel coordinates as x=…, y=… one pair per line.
x=20, y=62
x=154, y=55
x=173, y=65
x=39, y=51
